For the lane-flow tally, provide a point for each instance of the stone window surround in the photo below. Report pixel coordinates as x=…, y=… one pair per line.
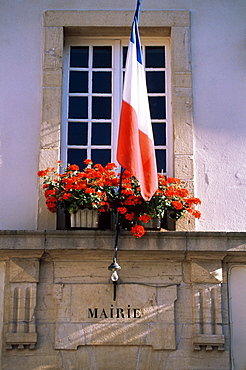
x=61, y=23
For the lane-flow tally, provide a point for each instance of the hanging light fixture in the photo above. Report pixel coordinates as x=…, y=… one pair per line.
x=114, y=267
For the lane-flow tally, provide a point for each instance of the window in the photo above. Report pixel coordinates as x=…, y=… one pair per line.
x=160, y=25
x=92, y=93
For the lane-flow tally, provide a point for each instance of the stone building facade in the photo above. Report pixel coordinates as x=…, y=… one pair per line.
x=171, y=308
x=180, y=299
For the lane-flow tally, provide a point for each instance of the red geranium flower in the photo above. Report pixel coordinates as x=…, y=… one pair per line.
x=97, y=187
x=177, y=204
x=138, y=231
x=145, y=218
x=122, y=210
x=87, y=162
x=129, y=216
x=73, y=167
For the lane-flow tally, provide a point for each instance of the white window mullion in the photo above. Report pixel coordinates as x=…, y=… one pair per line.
x=89, y=102
x=116, y=95
x=65, y=102
x=169, y=124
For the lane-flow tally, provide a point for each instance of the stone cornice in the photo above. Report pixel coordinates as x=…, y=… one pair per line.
x=182, y=244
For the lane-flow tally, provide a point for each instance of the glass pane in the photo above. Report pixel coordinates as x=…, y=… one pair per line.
x=102, y=56
x=78, y=107
x=155, y=56
x=161, y=160
x=155, y=82
x=79, y=56
x=78, y=82
x=77, y=156
x=101, y=134
x=101, y=107
x=77, y=133
x=102, y=156
x=124, y=55
x=101, y=82
x=159, y=131
x=157, y=107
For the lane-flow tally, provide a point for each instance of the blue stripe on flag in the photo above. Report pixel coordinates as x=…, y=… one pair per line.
x=137, y=12
x=135, y=39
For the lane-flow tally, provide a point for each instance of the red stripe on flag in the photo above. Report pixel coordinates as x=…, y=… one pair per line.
x=135, y=151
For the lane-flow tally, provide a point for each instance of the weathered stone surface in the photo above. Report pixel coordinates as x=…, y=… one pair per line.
x=46, y=307
x=53, y=47
x=185, y=223
x=50, y=127
x=206, y=272
x=157, y=316
x=181, y=49
x=124, y=322
x=46, y=274
x=162, y=336
x=157, y=272
x=23, y=270
x=52, y=78
x=64, y=18
x=182, y=79
x=184, y=167
x=183, y=130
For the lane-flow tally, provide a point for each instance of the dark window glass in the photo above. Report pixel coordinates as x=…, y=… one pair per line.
x=155, y=56
x=102, y=56
x=101, y=82
x=157, y=107
x=78, y=82
x=155, y=81
x=124, y=55
x=77, y=156
x=78, y=107
x=159, y=131
x=102, y=156
x=79, y=56
x=101, y=134
x=101, y=107
x=161, y=160
x=77, y=133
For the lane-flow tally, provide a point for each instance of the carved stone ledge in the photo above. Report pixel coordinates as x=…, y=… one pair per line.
x=209, y=341
x=21, y=340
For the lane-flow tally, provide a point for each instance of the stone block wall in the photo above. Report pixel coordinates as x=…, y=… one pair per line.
x=170, y=309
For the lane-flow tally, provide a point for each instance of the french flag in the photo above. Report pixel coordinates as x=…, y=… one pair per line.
x=135, y=151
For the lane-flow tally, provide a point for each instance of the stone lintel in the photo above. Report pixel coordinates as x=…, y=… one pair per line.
x=116, y=18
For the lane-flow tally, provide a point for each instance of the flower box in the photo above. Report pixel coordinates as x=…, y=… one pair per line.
x=153, y=224
x=84, y=218
x=101, y=189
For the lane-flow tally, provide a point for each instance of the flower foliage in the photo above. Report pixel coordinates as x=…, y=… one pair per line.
x=97, y=187
x=92, y=188
x=170, y=197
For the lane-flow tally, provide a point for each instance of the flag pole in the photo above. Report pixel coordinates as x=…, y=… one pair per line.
x=135, y=151
x=114, y=267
